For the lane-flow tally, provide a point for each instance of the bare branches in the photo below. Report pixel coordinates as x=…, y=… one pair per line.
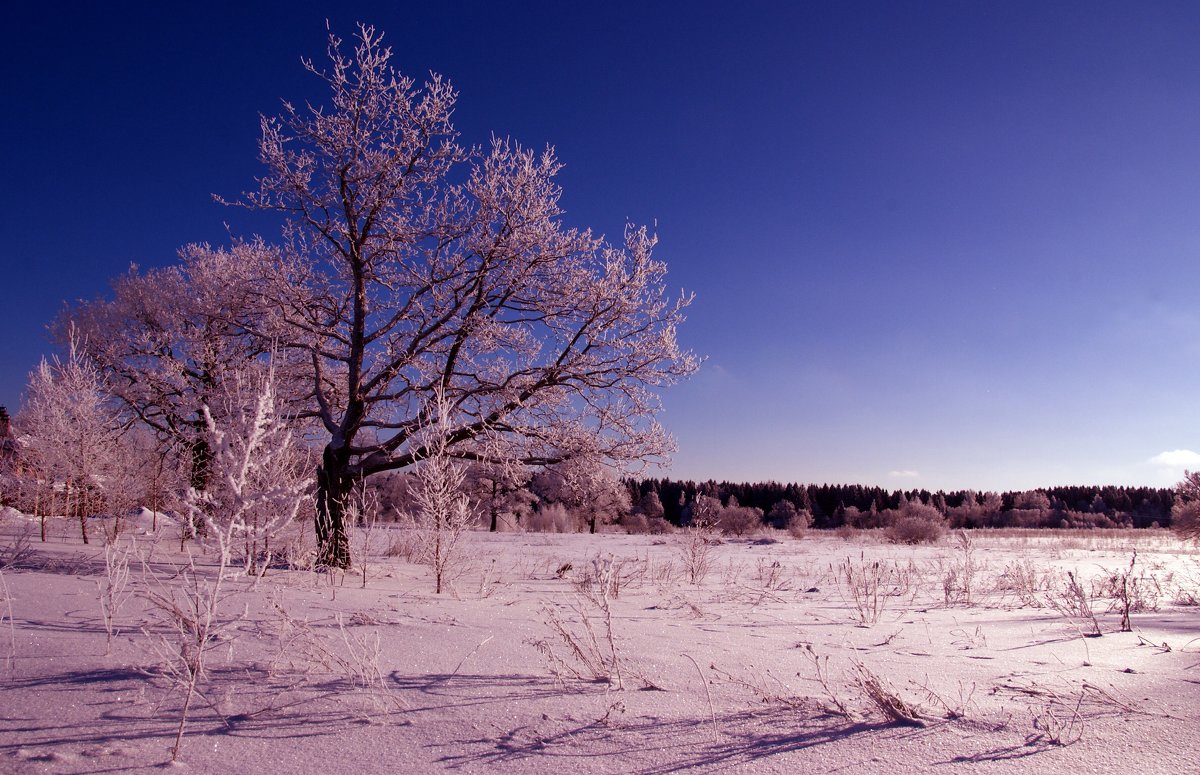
x=74, y=426
x=258, y=470
x=114, y=589
x=443, y=514
x=414, y=265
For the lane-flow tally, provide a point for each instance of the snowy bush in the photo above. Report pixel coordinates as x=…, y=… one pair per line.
x=552, y=518
x=916, y=524
x=258, y=481
x=740, y=520
x=799, y=523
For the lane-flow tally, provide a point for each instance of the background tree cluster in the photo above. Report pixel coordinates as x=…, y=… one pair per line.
x=834, y=505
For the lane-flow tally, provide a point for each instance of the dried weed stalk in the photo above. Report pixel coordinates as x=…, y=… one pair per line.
x=1073, y=602
x=6, y=615
x=114, y=589
x=605, y=578
x=193, y=617
x=862, y=586
x=884, y=698
x=783, y=696
x=771, y=575
x=344, y=655
x=954, y=707
x=1023, y=580
x=1056, y=723
x=958, y=578
x=696, y=552
x=836, y=706
x=1130, y=593
x=588, y=642
x=590, y=647
x=18, y=550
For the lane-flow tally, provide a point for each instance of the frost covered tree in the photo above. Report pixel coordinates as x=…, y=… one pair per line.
x=8, y=442
x=1185, y=514
x=501, y=492
x=587, y=488
x=1032, y=500
x=10, y=484
x=650, y=506
x=443, y=513
x=702, y=512
x=168, y=338
x=782, y=513
x=413, y=264
x=73, y=429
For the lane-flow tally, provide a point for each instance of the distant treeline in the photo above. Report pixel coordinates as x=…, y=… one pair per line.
x=833, y=505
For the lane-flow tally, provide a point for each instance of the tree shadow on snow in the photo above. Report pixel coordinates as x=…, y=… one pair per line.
x=735, y=738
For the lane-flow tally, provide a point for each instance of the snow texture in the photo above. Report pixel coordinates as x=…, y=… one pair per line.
x=962, y=659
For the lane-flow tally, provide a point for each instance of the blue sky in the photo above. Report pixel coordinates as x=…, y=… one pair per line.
x=933, y=245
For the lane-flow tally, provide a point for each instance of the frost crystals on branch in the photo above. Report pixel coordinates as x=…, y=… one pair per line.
x=258, y=473
x=443, y=510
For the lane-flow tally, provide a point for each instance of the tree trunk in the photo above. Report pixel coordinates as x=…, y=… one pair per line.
x=79, y=510
x=198, y=476
x=333, y=490
x=37, y=506
x=201, y=467
x=495, y=509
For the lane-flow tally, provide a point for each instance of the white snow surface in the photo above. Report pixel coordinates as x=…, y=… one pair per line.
x=317, y=673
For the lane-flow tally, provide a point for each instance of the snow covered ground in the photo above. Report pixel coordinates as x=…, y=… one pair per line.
x=976, y=657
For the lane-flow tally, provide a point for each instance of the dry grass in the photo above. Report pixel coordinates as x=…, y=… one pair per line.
x=863, y=587
x=696, y=553
x=885, y=699
x=1071, y=600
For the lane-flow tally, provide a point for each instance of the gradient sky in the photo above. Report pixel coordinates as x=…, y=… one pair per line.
x=933, y=245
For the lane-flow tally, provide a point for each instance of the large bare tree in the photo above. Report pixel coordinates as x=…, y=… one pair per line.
x=413, y=265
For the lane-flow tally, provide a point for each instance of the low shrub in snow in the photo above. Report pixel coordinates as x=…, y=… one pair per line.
x=916, y=524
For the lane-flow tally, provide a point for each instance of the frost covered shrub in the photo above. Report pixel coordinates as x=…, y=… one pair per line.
x=258, y=486
x=660, y=526
x=406, y=545
x=740, y=520
x=444, y=513
x=635, y=524
x=553, y=518
x=640, y=524
x=916, y=524
x=916, y=530
x=799, y=524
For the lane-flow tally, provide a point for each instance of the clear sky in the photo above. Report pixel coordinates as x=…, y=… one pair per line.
x=934, y=245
